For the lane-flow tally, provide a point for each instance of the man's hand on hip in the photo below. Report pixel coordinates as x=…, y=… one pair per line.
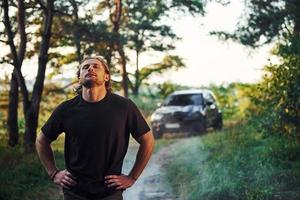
x=64, y=179
x=119, y=181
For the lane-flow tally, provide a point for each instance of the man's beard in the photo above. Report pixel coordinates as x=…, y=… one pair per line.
x=91, y=83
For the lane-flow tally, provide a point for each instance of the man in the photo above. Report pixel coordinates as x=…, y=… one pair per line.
x=97, y=125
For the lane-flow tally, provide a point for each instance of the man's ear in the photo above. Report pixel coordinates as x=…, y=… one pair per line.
x=106, y=77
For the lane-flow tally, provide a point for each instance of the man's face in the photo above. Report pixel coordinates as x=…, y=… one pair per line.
x=92, y=73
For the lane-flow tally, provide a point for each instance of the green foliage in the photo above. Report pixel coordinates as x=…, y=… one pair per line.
x=21, y=125
x=193, y=7
x=233, y=99
x=265, y=21
x=169, y=62
x=277, y=99
x=142, y=30
x=145, y=104
x=166, y=88
x=239, y=163
x=2, y=122
x=4, y=88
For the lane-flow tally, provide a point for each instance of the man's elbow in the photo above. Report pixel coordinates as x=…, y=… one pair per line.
x=38, y=142
x=41, y=140
x=148, y=141
x=152, y=141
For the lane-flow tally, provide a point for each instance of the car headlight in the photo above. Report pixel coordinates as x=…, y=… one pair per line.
x=156, y=117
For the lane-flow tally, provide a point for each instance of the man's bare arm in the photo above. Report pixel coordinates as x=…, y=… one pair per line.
x=144, y=153
x=45, y=153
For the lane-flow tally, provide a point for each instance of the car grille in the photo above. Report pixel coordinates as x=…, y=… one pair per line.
x=174, y=117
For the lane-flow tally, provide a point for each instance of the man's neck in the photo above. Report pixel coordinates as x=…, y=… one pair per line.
x=93, y=94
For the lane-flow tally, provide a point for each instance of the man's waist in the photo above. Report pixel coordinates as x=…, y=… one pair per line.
x=91, y=175
x=91, y=185
x=91, y=190
x=117, y=194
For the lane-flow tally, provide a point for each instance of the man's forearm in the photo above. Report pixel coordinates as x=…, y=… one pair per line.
x=45, y=154
x=144, y=153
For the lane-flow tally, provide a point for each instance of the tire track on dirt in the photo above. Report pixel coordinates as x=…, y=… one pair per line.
x=151, y=184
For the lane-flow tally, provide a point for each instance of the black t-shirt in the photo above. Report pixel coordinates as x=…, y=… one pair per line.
x=96, y=138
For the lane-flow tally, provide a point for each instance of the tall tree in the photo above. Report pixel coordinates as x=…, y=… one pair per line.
x=12, y=114
x=70, y=28
x=145, y=30
x=169, y=62
x=17, y=55
x=117, y=44
x=32, y=111
x=31, y=104
x=136, y=22
x=266, y=21
x=76, y=31
x=79, y=32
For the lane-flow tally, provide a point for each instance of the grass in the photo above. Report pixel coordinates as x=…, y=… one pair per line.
x=237, y=163
x=22, y=175
x=162, y=143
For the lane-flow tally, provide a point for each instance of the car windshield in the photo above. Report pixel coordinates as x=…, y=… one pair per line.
x=184, y=100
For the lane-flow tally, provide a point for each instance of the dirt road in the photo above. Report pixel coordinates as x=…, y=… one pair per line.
x=150, y=185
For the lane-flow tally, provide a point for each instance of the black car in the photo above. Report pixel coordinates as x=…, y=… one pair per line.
x=187, y=111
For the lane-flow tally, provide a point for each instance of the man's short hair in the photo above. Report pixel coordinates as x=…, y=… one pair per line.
x=106, y=68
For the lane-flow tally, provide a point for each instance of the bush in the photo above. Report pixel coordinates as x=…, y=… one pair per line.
x=277, y=99
x=233, y=99
x=146, y=104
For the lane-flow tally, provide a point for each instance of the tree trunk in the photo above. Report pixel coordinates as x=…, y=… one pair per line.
x=116, y=20
x=123, y=72
x=21, y=28
x=78, y=47
x=135, y=91
x=76, y=31
x=17, y=78
x=108, y=55
x=32, y=113
x=12, y=117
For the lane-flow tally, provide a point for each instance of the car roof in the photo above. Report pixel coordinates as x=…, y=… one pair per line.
x=191, y=91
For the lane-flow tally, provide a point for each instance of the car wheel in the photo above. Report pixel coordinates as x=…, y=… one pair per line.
x=200, y=127
x=218, y=125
